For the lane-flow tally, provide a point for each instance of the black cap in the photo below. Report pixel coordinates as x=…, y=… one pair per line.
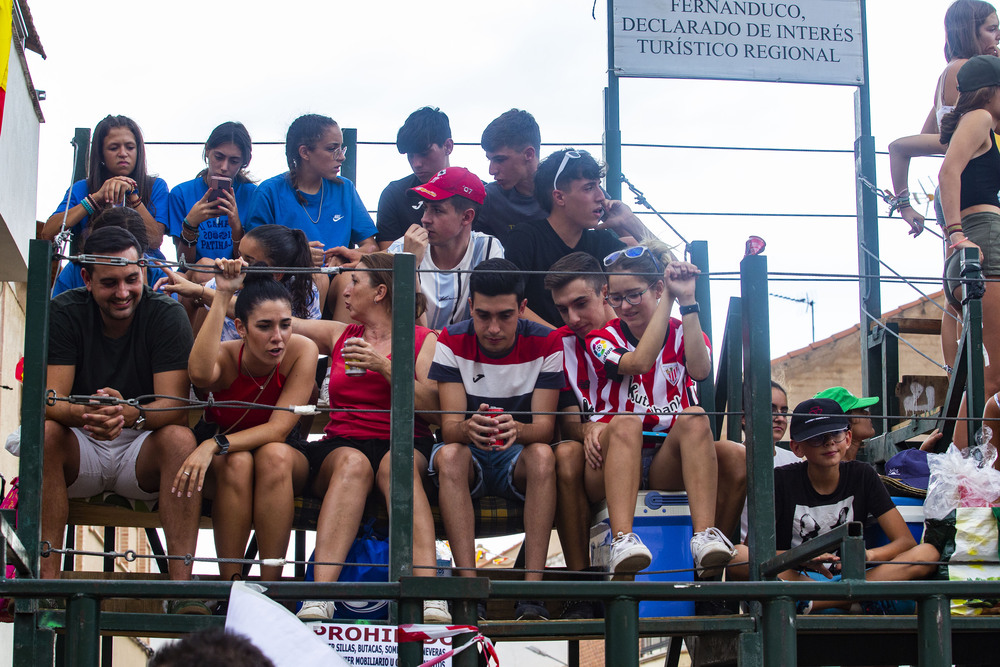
x=817, y=416
x=979, y=72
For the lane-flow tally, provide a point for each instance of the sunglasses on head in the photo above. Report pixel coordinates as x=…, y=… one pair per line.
x=567, y=156
x=632, y=252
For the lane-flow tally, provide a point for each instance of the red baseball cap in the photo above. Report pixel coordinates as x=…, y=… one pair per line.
x=450, y=182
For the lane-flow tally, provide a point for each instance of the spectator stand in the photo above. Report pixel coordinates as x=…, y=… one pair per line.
x=762, y=637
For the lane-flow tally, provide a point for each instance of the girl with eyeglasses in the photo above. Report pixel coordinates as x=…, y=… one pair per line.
x=314, y=197
x=647, y=364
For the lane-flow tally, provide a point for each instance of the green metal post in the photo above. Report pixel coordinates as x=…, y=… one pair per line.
x=972, y=316
x=703, y=295
x=852, y=557
x=464, y=612
x=751, y=650
x=81, y=141
x=757, y=408
x=621, y=628
x=734, y=368
x=83, y=631
x=934, y=634
x=29, y=529
x=612, y=117
x=404, y=288
x=868, y=266
x=779, y=632
x=350, y=167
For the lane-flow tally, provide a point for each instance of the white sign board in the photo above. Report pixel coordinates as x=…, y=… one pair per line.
x=359, y=644
x=804, y=41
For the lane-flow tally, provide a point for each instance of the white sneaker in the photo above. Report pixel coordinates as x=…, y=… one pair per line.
x=628, y=554
x=316, y=610
x=712, y=551
x=436, y=611
x=324, y=393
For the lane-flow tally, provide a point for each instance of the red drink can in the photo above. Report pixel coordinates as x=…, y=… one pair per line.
x=495, y=411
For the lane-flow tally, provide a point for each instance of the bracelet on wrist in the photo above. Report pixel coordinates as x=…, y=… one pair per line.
x=95, y=206
x=85, y=203
x=186, y=242
x=188, y=226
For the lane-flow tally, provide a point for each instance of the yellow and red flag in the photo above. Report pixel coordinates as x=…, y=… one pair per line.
x=6, y=35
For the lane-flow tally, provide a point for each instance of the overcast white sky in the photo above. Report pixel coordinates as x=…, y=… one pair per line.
x=181, y=68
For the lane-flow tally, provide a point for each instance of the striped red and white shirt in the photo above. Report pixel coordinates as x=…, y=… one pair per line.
x=581, y=376
x=658, y=394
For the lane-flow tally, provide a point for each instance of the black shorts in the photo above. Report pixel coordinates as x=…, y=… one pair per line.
x=204, y=430
x=374, y=450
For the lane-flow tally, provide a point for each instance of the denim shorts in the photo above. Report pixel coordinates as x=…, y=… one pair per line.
x=494, y=471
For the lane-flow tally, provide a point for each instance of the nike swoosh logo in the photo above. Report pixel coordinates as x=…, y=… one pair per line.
x=477, y=378
x=338, y=218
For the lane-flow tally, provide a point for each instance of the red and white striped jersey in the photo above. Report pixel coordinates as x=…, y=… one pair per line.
x=660, y=393
x=581, y=376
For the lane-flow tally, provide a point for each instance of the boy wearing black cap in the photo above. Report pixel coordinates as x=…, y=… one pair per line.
x=824, y=491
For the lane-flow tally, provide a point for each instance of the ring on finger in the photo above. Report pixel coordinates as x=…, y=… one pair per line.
x=187, y=473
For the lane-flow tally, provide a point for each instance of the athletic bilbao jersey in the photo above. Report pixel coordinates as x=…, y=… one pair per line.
x=658, y=393
x=581, y=376
x=507, y=381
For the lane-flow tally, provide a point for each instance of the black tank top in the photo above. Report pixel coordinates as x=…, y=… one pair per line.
x=981, y=178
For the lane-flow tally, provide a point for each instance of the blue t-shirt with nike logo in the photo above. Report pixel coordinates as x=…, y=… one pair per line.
x=335, y=216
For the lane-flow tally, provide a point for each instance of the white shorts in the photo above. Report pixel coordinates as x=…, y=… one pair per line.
x=109, y=465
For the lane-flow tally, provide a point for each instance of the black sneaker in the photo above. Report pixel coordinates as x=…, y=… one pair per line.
x=577, y=609
x=531, y=610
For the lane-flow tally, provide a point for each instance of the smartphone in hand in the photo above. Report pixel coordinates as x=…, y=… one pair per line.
x=218, y=184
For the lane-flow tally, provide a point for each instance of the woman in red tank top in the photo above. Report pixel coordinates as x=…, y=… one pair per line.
x=354, y=457
x=255, y=460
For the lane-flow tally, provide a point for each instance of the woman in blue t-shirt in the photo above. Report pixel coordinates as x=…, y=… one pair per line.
x=313, y=197
x=205, y=223
x=116, y=176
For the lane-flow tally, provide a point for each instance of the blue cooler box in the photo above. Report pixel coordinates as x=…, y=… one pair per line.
x=663, y=523
x=912, y=510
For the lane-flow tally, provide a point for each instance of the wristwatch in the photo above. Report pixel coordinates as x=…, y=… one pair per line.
x=223, y=443
x=687, y=310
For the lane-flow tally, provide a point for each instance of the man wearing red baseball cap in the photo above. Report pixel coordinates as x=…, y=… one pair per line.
x=444, y=241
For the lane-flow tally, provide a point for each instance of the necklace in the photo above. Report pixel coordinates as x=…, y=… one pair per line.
x=252, y=379
x=319, y=213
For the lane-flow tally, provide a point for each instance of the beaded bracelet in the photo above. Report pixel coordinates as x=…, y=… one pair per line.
x=87, y=207
x=94, y=205
x=191, y=228
x=189, y=244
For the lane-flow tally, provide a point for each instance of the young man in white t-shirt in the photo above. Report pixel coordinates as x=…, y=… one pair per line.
x=444, y=241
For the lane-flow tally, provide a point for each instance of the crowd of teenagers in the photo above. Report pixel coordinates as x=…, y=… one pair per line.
x=558, y=348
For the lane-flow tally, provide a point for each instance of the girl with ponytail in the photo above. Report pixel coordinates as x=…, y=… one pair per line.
x=251, y=462
x=313, y=196
x=271, y=245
